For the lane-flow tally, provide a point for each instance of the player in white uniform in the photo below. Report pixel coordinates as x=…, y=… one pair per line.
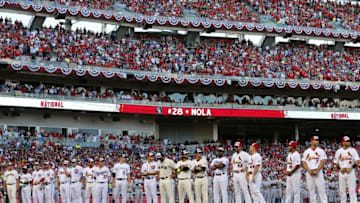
x=11, y=183
x=49, y=183
x=199, y=169
x=102, y=175
x=76, y=174
x=313, y=161
x=347, y=160
x=89, y=175
x=149, y=170
x=121, y=181
x=253, y=174
x=166, y=169
x=38, y=177
x=239, y=162
x=220, y=182
x=63, y=182
x=25, y=184
x=293, y=172
x=184, y=175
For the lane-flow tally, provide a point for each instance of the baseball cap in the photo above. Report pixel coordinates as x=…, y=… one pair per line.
x=292, y=143
x=10, y=164
x=150, y=154
x=73, y=161
x=314, y=138
x=66, y=162
x=238, y=144
x=123, y=156
x=24, y=167
x=101, y=159
x=255, y=145
x=345, y=139
x=221, y=149
x=91, y=160
x=46, y=163
x=158, y=155
x=199, y=151
x=36, y=163
x=185, y=152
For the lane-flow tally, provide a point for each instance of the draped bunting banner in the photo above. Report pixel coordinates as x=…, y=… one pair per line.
x=205, y=23
x=180, y=79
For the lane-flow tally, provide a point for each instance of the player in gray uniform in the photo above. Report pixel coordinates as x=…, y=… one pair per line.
x=138, y=188
x=267, y=189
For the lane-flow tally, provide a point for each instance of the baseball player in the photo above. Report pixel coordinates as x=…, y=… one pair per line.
x=38, y=179
x=347, y=160
x=239, y=162
x=220, y=182
x=49, y=183
x=11, y=183
x=166, y=169
x=121, y=181
x=184, y=175
x=25, y=184
x=89, y=175
x=149, y=170
x=313, y=161
x=293, y=172
x=76, y=175
x=63, y=182
x=253, y=174
x=199, y=168
x=138, y=188
x=102, y=175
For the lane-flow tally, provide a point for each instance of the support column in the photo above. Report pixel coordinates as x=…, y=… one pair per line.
x=296, y=132
x=124, y=31
x=241, y=37
x=269, y=41
x=339, y=46
x=103, y=28
x=37, y=22
x=68, y=25
x=215, y=135
x=157, y=133
x=276, y=137
x=192, y=37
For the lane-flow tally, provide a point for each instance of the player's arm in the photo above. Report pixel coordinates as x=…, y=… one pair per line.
x=293, y=170
x=306, y=167
x=66, y=172
x=5, y=185
x=256, y=170
x=321, y=166
x=17, y=182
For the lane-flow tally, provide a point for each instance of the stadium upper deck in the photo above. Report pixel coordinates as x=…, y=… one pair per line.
x=304, y=17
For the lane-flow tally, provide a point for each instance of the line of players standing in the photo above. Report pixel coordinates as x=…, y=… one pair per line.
x=246, y=170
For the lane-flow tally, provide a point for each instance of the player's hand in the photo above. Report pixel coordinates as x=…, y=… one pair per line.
x=343, y=170
x=247, y=179
x=348, y=170
x=253, y=179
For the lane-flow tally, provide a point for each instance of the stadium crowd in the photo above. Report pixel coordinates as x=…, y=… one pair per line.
x=22, y=151
x=117, y=95
x=169, y=54
x=307, y=13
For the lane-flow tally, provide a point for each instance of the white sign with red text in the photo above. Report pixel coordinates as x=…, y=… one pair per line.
x=322, y=115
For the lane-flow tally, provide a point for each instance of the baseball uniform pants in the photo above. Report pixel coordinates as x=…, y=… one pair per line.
x=316, y=183
x=11, y=192
x=38, y=194
x=101, y=195
x=241, y=185
x=255, y=189
x=26, y=194
x=220, y=185
x=293, y=186
x=120, y=187
x=166, y=190
x=150, y=190
x=201, y=190
x=184, y=186
x=76, y=192
x=65, y=192
x=49, y=193
x=89, y=192
x=347, y=180
x=139, y=195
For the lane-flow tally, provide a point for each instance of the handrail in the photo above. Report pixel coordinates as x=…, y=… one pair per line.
x=24, y=61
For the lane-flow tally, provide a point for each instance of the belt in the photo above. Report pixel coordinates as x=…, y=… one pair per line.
x=10, y=183
x=250, y=173
x=149, y=178
x=101, y=182
x=63, y=182
x=200, y=177
x=219, y=174
x=163, y=178
x=74, y=182
x=47, y=183
x=89, y=182
x=120, y=178
x=184, y=178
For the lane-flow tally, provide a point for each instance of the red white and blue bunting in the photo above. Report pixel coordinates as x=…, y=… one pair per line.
x=138, y=18
x=181, y=79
